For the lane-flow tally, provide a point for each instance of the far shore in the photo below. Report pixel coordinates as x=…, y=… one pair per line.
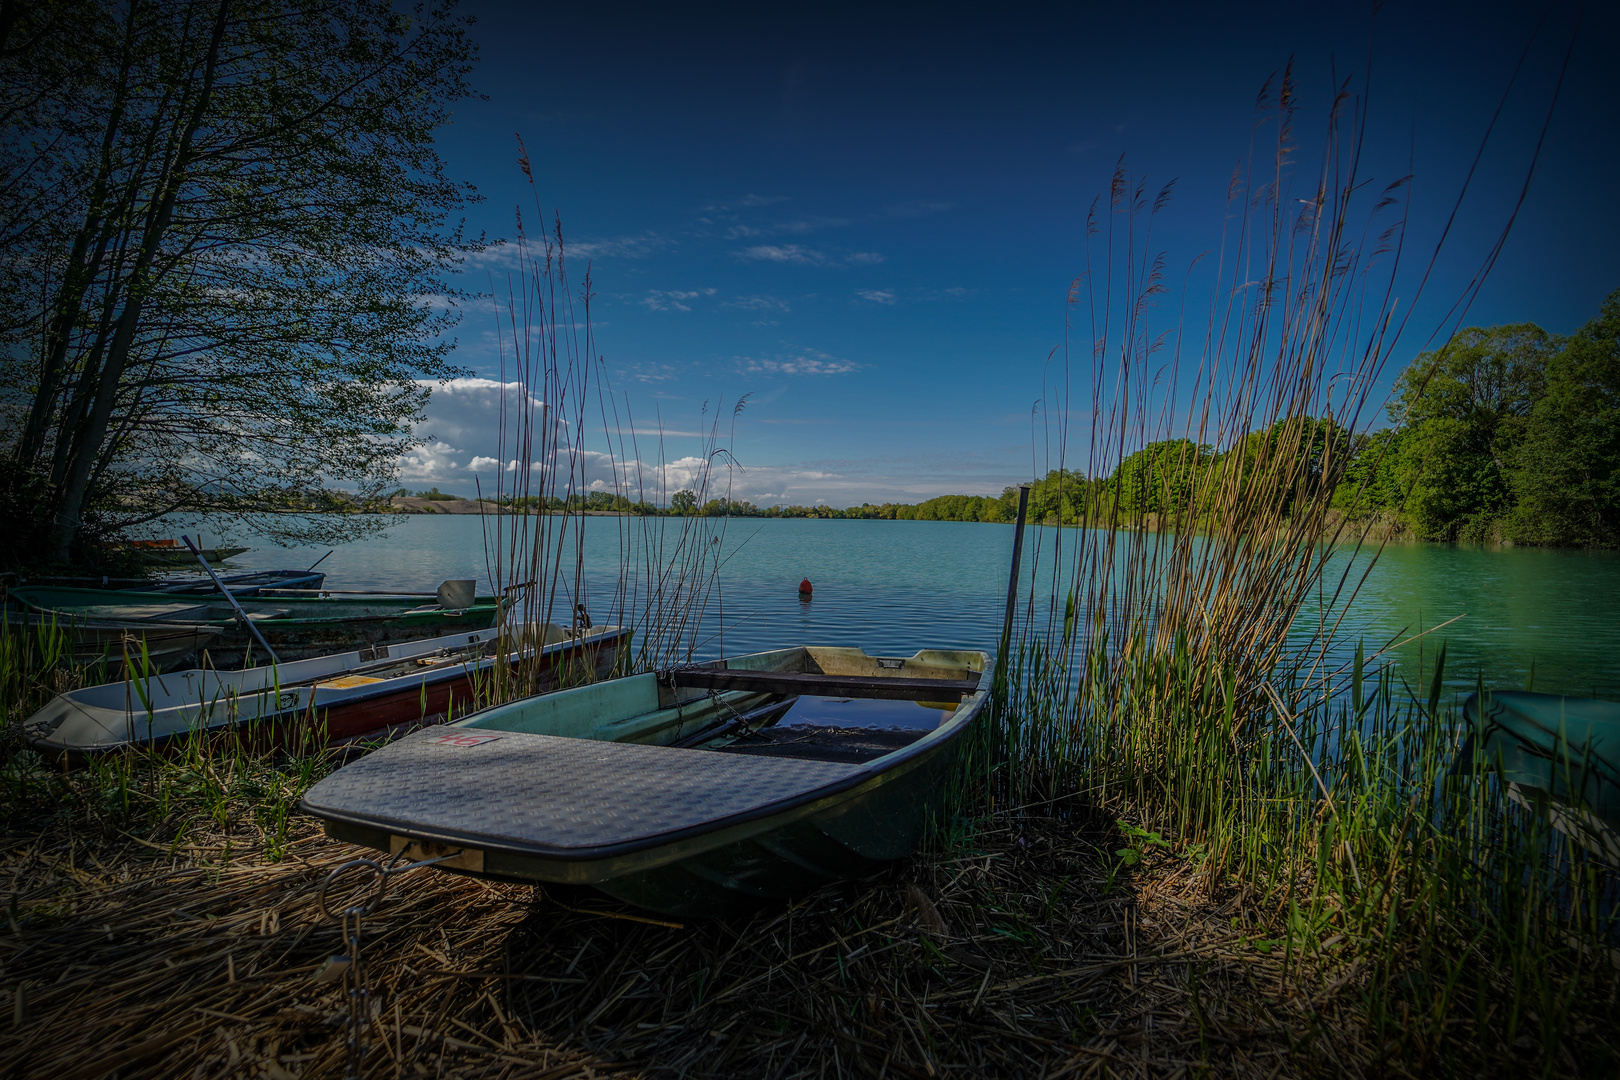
x=410, y=504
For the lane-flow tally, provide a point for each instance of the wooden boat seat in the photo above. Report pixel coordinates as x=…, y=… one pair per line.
x=552, y=794
x=817, y=682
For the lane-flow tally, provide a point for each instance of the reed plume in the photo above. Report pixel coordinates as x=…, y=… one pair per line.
x=557, y=407
x=1180, y=663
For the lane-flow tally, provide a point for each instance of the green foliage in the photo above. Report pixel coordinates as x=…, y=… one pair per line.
x=1464, y=410
x=252, y=771
x=1364, y=832
x=1292, y=461
x=1373, y=481
x=226, y=230
x=1566, y=473
x=942, y=508
x=1507, y=434
x=433, y=494
x=956, y=508
x=1162, y=477
x=1140, y=841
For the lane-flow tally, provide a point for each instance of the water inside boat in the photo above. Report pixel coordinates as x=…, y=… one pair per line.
x=815, y=728
x=846, y=712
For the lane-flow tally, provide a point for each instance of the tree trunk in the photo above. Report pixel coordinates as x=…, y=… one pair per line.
x=89, y=438
x=80, y=272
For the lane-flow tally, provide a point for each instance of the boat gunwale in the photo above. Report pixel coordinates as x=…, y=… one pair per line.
x=428, y=676
x=306, y=611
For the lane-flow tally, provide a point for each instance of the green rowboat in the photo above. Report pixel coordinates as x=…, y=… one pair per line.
x=113, y=644
x=297, y=628
x=693, y=791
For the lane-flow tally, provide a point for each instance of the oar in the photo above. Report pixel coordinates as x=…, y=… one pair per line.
x=739, y=722
x=240, y=614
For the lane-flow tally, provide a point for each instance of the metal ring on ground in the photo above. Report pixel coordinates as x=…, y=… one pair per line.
x=370, y=864
x=383, y=874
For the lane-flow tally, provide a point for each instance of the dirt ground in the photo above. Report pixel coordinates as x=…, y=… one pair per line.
x=1026, y=950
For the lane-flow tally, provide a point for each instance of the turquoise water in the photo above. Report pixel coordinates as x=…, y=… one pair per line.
x=894, y=587
x=1555, y=609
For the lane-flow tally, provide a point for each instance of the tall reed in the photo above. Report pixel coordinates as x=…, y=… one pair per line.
x=566, y=435
x=1165, y=666
x=36, y=662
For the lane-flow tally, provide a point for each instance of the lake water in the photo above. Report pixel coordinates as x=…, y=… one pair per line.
x=897, y=586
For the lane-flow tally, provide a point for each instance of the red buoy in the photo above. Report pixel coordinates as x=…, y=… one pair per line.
x=804, y=589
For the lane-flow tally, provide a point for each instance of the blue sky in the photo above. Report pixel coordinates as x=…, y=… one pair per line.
x=868, y=217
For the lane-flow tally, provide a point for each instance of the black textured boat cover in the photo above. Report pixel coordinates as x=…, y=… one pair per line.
x=571, y=796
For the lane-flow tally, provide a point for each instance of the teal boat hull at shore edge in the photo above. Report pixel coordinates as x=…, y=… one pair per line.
x=1557, y=756
x=616, y=785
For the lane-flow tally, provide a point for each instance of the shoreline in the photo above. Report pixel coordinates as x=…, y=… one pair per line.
x=476, y=507
x=1380, y=532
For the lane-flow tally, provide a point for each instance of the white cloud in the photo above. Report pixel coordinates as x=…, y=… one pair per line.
x=465, y=416
x=620, y=247
x=799, y=255
x=807, y=362
x=462, y=417
x=877, y=296
x=810, y=225
x=784, y=253
x=509, y=255
x=728, y=206
x=650, y=372
x=905, y=479
x=673, y=299
x=503, y=254
x=757, y=303
x=432, y=462
x=465, y=433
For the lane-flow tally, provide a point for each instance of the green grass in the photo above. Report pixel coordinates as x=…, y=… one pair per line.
x=249, y=772
x=1473, y=935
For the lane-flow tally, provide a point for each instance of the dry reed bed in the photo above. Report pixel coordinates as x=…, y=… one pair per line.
x=1016, y=954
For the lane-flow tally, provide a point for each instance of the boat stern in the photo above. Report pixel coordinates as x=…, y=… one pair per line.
x=68, y=726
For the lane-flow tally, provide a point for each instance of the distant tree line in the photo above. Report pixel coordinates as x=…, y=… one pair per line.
x=1158, y=479
x=1507, y=434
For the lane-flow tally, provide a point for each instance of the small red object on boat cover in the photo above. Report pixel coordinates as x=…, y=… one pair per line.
x=804, y=587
